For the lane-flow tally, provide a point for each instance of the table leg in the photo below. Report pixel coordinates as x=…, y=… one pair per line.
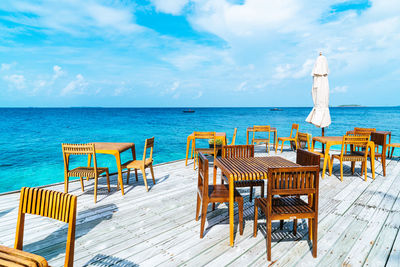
x=325, y=159
x=390, y=137
x=215, y=175
x=231, y=209
x=187, y=150
x=247, y=137
x=118, y=159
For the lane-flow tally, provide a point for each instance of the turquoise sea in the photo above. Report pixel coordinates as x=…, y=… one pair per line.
x=30, y=138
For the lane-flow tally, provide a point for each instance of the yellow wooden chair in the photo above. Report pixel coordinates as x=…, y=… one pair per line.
x=209, y=151
x=291, y=138
x=142, y=164
x=89, y=172
x=304, y=141
x=264, y=129
x=353, y=156
x=51, y=204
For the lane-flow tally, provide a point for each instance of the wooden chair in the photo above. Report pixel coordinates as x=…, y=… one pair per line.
x=142, y=164
x=89, y=172
x=393, y=146
x=212, y=194
x=379, y=141
x=304, y=141
x=291, y=138
x=353, y=156
x=233, y=137
x=265, y=129
x=285, y=186
x=361, y=131
x=51, y=204
x=209, y=151
x=243, y=151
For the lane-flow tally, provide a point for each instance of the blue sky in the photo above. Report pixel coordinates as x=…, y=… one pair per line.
x=151, y=53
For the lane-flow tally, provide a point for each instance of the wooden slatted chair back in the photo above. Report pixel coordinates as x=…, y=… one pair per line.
x=78, y=149
x=149, y=144
x=262, y=128
x=379, y=139
x=202, y=185
x=295, y=127
x=234, y=137
x=293, y=181
x=307, y=158
x=356, y=140
x=363, y=131
x=52, y=204
x=303, y=140
x=238, y=151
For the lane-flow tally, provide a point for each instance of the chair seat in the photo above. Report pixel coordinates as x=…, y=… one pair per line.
x=15, y=257
x=136, y=164
x=86, y=172
x=362, y=153
x=286, y=139
x=286, y=205
x=350, y=157
x=249, y=183
x=220, y=193
x=206, y=150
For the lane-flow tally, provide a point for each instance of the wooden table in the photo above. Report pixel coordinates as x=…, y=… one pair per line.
x=219, y=136
x=16, y=257
x=115, y=149
x=328, y=141
x=387, y=133
x=238, y=169
x=273, y=129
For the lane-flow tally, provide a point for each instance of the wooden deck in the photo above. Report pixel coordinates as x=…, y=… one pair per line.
x=358, y=224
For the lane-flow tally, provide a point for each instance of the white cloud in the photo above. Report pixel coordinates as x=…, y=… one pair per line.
x=76, y=86
x=58, y=72
x=15, y=81
x=5, y=66
x=241, y=87
x=199, y=94
x=339, y=89
x=173, y=7
x=175, y=86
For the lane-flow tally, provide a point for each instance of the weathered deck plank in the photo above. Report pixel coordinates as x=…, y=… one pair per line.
x=358, y=224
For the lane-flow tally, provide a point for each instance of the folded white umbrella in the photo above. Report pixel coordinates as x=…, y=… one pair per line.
x=319, y=116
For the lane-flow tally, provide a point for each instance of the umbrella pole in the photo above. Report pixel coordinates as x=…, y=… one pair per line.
x=323, y=146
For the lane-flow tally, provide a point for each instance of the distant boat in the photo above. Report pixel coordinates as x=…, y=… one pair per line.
x=276, y=109
x=188, y=111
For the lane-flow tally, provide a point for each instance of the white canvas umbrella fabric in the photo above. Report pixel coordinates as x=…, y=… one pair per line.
x=319, y=116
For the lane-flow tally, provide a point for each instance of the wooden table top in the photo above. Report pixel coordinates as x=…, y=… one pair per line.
x=16, y=257
x=250, y=129
x=330, y=139
x=218, y=134
x=251, y=168
x=120, y=147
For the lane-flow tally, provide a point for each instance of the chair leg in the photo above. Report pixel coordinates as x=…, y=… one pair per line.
x=341, y=171
x=295, y=226
x=66, y=181
x=310, y=235
x=152, y=173
x=365, y=164
x=353, y=166
x=262, y=190
x=240, y=205
x=383, y=165
x=95, y=189
x=282, y=142
x=391, y=155
x=251, y=193
x=204, y=206
x=315, y=237
x=108, y=180
x=281, y=224
x=213, y=206
x=127, y=175
x=362, y=168
x=255, y=217
x=144, y=178
x=82, y=186
x=198, y=207
x=269, y=237
x=136, y=175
